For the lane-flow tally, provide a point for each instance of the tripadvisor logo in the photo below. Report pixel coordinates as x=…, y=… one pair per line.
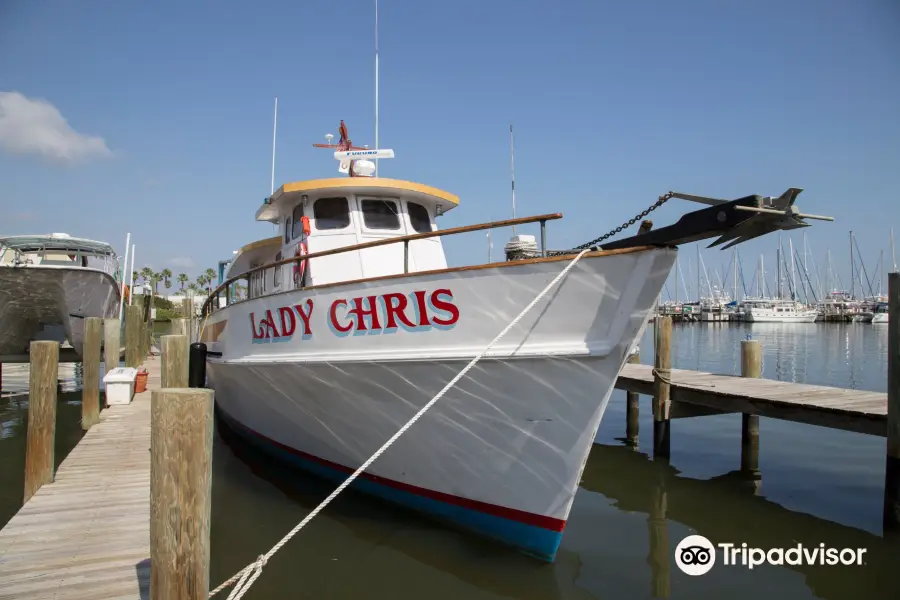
x=696, y=555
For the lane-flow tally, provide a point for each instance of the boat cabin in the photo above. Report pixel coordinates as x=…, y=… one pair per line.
x=326, y=214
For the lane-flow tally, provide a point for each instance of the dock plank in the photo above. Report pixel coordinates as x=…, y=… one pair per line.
x=86, y=535
x=850, y=410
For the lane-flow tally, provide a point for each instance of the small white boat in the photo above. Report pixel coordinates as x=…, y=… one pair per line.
x=881, y=313
x=765, y=310
x=319, y=362
x=49, y=284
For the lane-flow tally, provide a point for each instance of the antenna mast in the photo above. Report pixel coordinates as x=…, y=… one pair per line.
x=274, y=131
x=893, y=255
x=376, y=85
x=512, y=170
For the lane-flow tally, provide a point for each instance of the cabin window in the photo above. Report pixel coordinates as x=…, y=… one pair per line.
x=287, y=230
x=331, y=213
x=380, y=214
x=276, y=278
x=297, y=229
x=418, y=216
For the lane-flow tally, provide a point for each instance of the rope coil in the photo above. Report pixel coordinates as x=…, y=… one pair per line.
x=249, y=574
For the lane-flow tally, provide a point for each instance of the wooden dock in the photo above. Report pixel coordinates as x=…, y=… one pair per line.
x=695, y=393
x=86, y=535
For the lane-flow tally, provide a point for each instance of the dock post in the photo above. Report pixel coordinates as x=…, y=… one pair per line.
x=133, y=336
x=181, y=434
x=751, y=366
x=111, y=343
x=632, y=411
x=892, y=466
x=662, y=366
x=180, y=327
x=90, y=356
x=174, y=361
x=39, y=458
x=187, y=309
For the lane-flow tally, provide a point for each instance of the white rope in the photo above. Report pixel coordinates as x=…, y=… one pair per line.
x=246, y=576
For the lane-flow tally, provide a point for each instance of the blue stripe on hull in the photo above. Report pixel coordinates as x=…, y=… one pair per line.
x=535, y=541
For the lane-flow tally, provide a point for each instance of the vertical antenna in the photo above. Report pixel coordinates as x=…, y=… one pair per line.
x=274, y=131
x=893, y=255
x=376, y=85
x=124, y=275
x=131, y=279
x=512, y=170
x=490, y=245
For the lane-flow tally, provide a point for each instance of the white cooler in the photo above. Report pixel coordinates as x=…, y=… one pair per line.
x=120, y=385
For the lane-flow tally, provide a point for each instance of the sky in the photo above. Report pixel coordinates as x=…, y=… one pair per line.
x=156, y=118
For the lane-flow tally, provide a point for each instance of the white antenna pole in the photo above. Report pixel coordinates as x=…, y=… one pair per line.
x=512, y=170
x=490, y=245
x=376, y=85
x=122, y=283
x=131, y=279
x=893, y=256
x=274, y=131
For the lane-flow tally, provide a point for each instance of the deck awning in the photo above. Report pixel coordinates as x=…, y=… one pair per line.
x=56, y=243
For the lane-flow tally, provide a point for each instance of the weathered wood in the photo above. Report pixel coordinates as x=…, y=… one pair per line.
x=187, y=308
x=174, y=361
x=85, y=536
x=180, y=488
x=849, y=410
x=892, y=466
x=180, y=327
x=90, y=392
x=133, y=336
x=751, y=366
x=662, y=365
x=632, y=411
x=111, y=344
x=39, y=456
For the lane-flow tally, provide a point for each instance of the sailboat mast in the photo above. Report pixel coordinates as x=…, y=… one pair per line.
x=852, y=276
x=676, y=280
x=274, y=131
x=793, y=272
x=893, y=255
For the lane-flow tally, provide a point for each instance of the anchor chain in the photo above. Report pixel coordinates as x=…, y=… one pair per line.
x=659, y=202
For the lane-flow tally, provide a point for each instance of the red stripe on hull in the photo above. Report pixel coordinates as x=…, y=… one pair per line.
x=512, y=514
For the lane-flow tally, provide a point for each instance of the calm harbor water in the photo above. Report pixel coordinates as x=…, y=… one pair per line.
x=818, y=486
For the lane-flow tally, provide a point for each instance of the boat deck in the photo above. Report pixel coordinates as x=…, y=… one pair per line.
x=86, y=535
x=837, y=408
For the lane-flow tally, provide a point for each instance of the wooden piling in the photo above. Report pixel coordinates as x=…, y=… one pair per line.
x=181, y=327
x=39, y=458
x=632, y=411
x=662, y=365
x=187, y=308
x=111, y=344
x=892, y=466
x=174, y=350
x=90, y=356
x=181, y=433
x=133, y=336
x=751, y=366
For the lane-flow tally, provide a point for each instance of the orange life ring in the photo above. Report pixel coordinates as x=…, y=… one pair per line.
x=125, y=292
x=300, y=265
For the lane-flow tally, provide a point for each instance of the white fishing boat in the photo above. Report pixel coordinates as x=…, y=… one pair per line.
x=773, y=310
x=881, y=313
x=49, y=284
x=352, y=322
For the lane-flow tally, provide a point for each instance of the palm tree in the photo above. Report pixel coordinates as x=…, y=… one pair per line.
x=166, y=276
x=201, y=282
x=182, y=279
x=210, y=277
x=146, y=274
x=155, y=278
x=193, y=287
x=134, y=276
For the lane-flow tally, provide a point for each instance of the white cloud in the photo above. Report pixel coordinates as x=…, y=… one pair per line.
x=182, y=263
x=34, y=126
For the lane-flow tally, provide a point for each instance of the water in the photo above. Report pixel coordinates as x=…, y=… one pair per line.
x=818, y=486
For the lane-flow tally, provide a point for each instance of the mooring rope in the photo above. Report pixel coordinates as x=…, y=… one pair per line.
x=244, y=578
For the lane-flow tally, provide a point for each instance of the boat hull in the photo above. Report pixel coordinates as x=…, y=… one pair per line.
x=805, y=317
x=501, y=453
x=880, y=317
x=51, y=303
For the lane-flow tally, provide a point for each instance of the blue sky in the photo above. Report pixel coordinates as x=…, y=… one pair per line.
x=613, y=104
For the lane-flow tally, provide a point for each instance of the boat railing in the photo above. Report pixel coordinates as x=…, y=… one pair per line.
x=212, y=302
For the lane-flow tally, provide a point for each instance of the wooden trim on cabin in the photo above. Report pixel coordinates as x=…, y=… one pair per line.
x=261, y=244
x=364, y=182
x=503, y=264
x=385, y=242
